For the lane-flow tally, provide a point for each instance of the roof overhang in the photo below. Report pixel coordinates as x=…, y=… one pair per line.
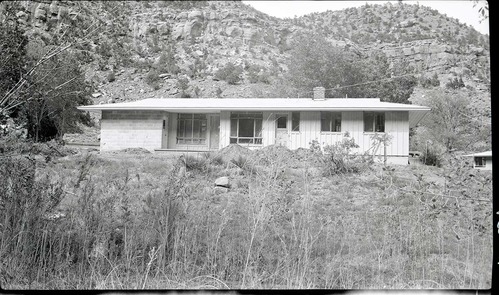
x=482, y=154
x=216, y=105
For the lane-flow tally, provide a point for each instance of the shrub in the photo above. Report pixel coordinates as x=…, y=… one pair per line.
x=219, y=92
x=183, y=85
x=152, y=77
x=455, y=83
x=230, y=73
x=192, y=163
x=337, y=158
x=110, y=76
x=431, y=158
x=257, y=73
x=240, y=162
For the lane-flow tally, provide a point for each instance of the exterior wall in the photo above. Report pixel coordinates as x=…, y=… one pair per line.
x=131, y=129
x=128, y=129
x=396, y=124
x=488, y=164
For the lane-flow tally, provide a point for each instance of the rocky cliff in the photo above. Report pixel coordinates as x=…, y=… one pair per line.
x=200, y=37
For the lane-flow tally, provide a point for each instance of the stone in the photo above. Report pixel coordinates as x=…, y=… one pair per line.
x=163, y=29
x=222, y=181
x=195, y=14
x=41, y=12
x=54, y=9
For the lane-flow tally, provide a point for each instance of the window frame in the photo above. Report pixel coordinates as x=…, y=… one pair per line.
x=375, y=122
x=182, y=139
x=482, y=161
x=331, y=118
x=257, y=138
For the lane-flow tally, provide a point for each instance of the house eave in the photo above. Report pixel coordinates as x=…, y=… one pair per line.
x=216, y=105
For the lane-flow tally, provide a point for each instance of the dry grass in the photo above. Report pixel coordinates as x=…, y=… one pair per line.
x=142, y=221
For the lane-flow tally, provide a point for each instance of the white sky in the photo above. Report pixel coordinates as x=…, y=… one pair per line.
x=463, y=10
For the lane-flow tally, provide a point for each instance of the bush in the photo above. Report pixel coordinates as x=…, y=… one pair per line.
x=110, y=76
x=455, y=83
x=192, y=163
x=258, y=73
x=431, y=158
x=230, y=73
x=152, y=77
x=337, y=158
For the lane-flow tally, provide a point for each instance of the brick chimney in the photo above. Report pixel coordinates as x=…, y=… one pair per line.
x=319, y=93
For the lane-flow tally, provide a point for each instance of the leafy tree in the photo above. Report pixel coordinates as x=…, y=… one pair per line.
x=452, y=123
x=12, y=66
x=56, y=89
x=166, y=62
x=315, y=62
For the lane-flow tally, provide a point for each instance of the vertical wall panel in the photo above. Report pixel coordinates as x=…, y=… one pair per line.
x=172, y=131
x=397, y=124
x=268, y=128
x=309, y=128
x=353, y=123
x=224, y=129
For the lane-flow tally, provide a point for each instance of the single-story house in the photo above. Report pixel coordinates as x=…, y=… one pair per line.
x=213, y=123
x=482, y=161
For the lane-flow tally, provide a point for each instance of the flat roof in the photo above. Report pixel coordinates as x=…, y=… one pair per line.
x=215, y=105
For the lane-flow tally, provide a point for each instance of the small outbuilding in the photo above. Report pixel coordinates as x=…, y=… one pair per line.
x=482, y=161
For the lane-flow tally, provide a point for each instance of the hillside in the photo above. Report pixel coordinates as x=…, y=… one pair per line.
x=167, y=49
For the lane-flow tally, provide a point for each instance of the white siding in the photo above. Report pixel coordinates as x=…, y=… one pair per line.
x=268, y=128
x=224, y=129
x=397, y=125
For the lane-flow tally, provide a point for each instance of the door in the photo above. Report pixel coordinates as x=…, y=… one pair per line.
x=214, y=132
x=281, y=133
x=164, y=138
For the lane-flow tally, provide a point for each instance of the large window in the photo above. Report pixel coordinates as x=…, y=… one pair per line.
x=246, y=127
x=374, y=122
x=331, y=121
x=191, y=129
x=295, y=121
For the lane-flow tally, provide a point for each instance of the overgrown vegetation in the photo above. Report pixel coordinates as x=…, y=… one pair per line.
x=344, y=73
x=152, y=221
x=458, y=121
x=230, y=73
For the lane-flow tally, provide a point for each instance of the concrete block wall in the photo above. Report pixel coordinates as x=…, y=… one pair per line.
x=131, y=129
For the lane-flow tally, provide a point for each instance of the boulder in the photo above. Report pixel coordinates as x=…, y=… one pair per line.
x=163, y=29
x=196, y=14
x=53, y=9
x=222, y=181
x=178, y=31
x=41, y=12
